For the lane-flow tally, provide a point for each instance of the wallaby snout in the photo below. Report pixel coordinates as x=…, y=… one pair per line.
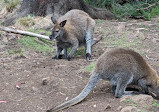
x=51, y=37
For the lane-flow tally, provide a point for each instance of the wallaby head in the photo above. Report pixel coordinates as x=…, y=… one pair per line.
x=58, y=30
x=153, y=84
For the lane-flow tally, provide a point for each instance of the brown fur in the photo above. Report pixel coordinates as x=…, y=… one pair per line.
x=129, y=61
x=122, y=67
x=73, y=33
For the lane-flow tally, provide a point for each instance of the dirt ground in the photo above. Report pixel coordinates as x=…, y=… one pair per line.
x=67, y=78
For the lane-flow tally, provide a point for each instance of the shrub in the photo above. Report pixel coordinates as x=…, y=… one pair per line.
x=139, y=9
x=11, y=4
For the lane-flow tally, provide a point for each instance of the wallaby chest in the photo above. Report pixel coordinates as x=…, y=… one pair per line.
x=63, y=44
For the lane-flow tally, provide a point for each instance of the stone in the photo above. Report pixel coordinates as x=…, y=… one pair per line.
x=129, y=109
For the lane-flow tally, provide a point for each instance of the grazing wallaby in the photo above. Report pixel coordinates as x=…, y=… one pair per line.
x=121, y=67
x=73, y=29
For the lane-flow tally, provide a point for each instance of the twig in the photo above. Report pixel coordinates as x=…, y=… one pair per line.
x=11, y=30
x=149, y=5
x=151, y=58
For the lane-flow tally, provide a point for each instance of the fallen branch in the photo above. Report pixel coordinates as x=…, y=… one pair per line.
x=11, y=30
x=149, y=6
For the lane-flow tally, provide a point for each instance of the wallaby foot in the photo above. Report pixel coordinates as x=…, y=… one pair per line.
x=48, y=111
x=59, y=57
x=69, y=58
x=113, y=89
x=88, y=57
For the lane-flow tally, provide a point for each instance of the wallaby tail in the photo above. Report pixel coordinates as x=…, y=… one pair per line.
x=90, y=85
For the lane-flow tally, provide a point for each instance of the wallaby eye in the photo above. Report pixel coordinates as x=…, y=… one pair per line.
x=149, y=85
x=57, y=31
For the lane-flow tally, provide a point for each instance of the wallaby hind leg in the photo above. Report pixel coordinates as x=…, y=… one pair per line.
x=122, y=83
x=89, y=37
x=88, y=45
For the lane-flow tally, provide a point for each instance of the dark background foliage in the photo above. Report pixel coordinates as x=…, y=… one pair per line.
x=138, y=9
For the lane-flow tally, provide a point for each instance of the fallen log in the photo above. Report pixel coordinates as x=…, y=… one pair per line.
x=11, y=30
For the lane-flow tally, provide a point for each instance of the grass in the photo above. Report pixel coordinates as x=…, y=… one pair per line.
x=11, y=4
x=31, y=43
x=15, y=51
x=18, y=52
x=80, y=51
x=129, y=101
x=154, y=107
x=155, y=104
x=90, y=67
x=125, y=38
x=26, y=21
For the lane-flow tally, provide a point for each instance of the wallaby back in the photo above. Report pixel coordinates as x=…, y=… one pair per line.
x=78, y=23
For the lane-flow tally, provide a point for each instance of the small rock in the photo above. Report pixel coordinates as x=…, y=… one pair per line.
x=154, y=40
x=119, y=108
x=5, y=40
x=143, y=99
x=2, y=46
x=129, y=109
x=34, y=89
x=121, y=27
x=108, y=107
x=95, y=106
x=45, y=80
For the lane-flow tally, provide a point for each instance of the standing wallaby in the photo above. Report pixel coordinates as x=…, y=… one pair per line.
x=121, y=67
x=73, y=29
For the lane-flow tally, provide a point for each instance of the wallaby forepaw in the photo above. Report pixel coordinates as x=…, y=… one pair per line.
x=59, y=57
x=88, y=57
x=69, y=58
x=118, y=96
x=55, y=57
x=48, y=111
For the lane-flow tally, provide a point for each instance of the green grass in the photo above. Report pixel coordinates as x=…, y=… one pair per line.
x=18, y=52
x=26, y=21
x=123, y=41
x=80, y=51
x=15, y=51
x=154, y=107
x=11, y=4
x=155, y=104
x=90, y=67
x=32, y=44
x=129, y=101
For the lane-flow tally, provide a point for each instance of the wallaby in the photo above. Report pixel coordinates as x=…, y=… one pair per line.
x=73, y=29
x=122, y=67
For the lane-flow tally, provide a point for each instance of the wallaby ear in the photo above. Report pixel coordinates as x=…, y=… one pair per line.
x=53, y=20
x=62, y=24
